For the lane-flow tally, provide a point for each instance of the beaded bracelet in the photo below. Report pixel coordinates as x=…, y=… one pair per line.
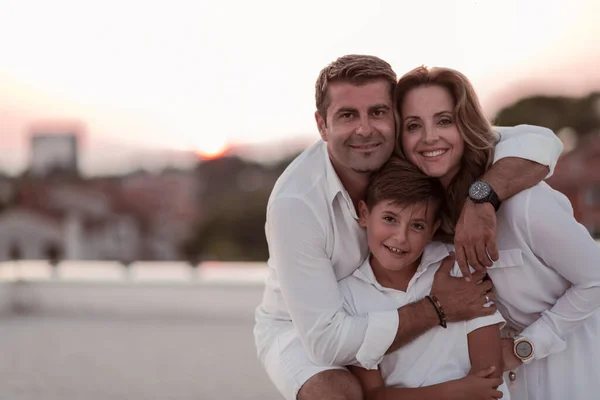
x=439, y=309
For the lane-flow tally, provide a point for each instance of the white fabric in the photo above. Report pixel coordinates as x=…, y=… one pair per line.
x=438, y=355
x=534, y=143
x=288, y=365
x=315, y=240
x=553, y=298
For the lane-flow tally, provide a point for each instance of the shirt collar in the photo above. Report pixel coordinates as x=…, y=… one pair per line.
x=433, y=253
x=334, y=184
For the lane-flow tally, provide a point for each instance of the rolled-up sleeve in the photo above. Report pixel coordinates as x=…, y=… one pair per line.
x=529, y=142
x=297, y=240
x=567, y=247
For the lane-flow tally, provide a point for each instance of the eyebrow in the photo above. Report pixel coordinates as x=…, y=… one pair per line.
x=378, y=106
x=371, y=108
x=437, y=114
x=345, y=110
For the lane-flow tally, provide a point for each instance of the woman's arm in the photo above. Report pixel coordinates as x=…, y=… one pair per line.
x=566, y=246
x=472, y=387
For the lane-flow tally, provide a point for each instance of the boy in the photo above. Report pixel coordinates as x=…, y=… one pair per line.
x=401, y=213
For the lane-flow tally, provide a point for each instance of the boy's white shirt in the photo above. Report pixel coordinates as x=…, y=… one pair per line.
x=438, y=355
x=315, y=240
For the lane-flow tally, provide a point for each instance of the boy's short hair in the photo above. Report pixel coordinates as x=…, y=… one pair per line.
x=353, y=68
x=403, y=183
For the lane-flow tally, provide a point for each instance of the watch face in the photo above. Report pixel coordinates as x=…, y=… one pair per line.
x=479, y=190
x=524, y=349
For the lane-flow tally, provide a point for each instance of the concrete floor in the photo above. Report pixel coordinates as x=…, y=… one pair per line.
x=59, y=346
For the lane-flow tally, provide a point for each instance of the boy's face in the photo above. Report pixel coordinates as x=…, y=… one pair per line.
x=397, y=234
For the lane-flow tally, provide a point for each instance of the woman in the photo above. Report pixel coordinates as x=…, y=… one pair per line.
x=551, y=300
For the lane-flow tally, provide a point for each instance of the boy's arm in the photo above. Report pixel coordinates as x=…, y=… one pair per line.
x=485, y=349
x=374, y=388
x=524, y=155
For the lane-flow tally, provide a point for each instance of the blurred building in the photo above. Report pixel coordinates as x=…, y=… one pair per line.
x=577, y=175
x=168, y=205
x=72, y=221
x=52, y=153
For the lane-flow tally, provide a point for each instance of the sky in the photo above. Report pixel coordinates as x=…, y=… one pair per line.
x=149, y=79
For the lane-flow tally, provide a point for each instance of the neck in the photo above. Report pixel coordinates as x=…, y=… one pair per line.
x=446, y=180
x=354, y=182
x=398, y=280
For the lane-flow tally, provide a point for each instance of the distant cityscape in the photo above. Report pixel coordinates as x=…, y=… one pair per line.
x=217, y=209
x=52, y=212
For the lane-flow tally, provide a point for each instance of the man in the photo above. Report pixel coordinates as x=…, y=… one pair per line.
x=302, y=335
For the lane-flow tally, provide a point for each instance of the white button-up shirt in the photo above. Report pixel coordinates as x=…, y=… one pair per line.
x=438, y=355
x=553, y=298
x=315, y=240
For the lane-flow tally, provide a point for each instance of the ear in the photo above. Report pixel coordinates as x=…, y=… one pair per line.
x=436, y=226
x=363, y=212
x=321, y=125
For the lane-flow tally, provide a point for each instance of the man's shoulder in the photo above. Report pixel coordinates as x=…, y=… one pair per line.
x=305, y=177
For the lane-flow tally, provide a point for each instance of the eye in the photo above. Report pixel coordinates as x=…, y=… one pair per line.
x=445, y=121
x=418, y=226
x=379, y=113
x=389, y=219
x=346, y=115
x=411, y=127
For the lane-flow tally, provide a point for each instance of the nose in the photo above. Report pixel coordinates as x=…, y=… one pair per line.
x=430, y=134
x=401, y=233
x=364, y=127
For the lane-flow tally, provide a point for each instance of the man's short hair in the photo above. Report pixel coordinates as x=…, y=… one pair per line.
x=402, y=183
x=355, y=69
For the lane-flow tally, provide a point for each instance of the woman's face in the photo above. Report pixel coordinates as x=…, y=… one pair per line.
x=430, y=137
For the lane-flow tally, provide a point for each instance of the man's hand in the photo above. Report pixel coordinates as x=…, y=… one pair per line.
x=475, y=237
x=462, y=300
x=508, y=355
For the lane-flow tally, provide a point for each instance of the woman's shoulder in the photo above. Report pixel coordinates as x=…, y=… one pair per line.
x=540, y=198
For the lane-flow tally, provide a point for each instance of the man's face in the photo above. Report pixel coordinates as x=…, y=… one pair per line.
x=359, y=129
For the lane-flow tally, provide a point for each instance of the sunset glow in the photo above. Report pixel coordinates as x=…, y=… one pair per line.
x=248, y=76
x=212, y=148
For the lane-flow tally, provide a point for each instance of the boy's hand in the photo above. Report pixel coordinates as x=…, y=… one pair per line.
x=479, y=386
x=475, y=237
x=460, y=299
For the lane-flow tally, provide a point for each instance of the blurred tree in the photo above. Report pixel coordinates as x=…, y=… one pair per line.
x=556, y=113
x=233, y=200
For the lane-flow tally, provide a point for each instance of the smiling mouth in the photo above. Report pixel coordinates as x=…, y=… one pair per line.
x=366, y=147
x=434, y=153
x=395, y=250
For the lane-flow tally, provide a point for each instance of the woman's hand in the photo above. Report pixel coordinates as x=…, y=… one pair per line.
x=475, y=237
x=480, y=386
x=508, y=355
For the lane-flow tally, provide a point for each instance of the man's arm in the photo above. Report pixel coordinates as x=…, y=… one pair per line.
x=479, y=384
x=460, y=300
x=313, y=298
x=524, y=155
x=297, y=242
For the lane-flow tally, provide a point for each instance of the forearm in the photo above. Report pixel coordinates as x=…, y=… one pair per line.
x=415, y=319
x=441, y=391
x=485, y=350
x=512, y=175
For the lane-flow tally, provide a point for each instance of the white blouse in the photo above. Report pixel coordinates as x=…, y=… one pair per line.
x=553, y=298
